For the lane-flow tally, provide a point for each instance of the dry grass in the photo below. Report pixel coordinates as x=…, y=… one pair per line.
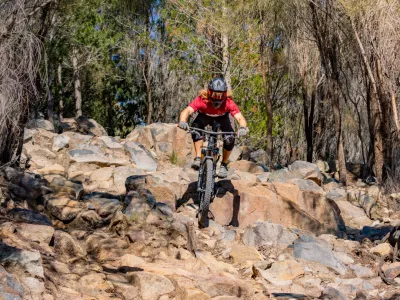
x=20, y=55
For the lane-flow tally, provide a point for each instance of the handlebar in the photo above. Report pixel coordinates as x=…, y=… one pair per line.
x=194, y=129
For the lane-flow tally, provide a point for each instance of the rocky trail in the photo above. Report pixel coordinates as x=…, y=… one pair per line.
x=99, y=217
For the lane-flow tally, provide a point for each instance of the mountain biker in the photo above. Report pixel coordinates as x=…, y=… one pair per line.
x=215, y=104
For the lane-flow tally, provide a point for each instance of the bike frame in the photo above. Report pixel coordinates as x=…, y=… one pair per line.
x=210, y=152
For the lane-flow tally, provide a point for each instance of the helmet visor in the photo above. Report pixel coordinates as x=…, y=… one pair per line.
x=220, y=96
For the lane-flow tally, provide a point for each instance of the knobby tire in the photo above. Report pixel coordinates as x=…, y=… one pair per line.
x=207, y=186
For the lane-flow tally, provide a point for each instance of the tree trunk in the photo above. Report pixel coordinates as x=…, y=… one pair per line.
x=378, y=141
x=395, y=115
x=77, y=84
x=308, y=110
x=147, y=80
x=60, y=92
x=267, y=98
x=50, y=98
x=338, y=129
x=225, y=50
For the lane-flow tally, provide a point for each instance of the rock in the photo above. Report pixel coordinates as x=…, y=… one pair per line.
x=264, y=177
x=302, y=203
x=140, y=156
x=353, y=216
x=165, y=140
x=130, y=261
x=235, y=154
x=28, y=134
x=40, y=124
x=137, y=209
x=216, y=266
x=152, y=286
x=29, y=216
x=55, y=169
x=63, y=207
x=77, y=140
x=260, y=156
x=90, y=126
x=392, y=271
x=367, y=203
x=111, y=142
x=10, y=287
x=35, y=287
x=282, y=272
x=102, y=174
x=120, y=176
x=68, y=247
x=35, y=233
x=304, y=169
x=96, y=283
x=19, y=260
x=344, y=258
x=60, y=267
x=361, y=271
x=337, y=195
x=60, y=142
x=331, y=184
x=266, y=233
x=323, y=166
x=74, y=189
x=315, y=252
x=216, y=285
x=135, y=182
x=330, y=293
x=105, y=207
x=242, y=254
x=381, y=249
x=40, y=157
x=87, y=156
x=245, y=176
x=281, y=175
x=246, y=166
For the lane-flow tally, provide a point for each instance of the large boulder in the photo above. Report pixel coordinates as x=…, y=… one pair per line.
x=314, y=251
x=10, y=287
x=246, y=166
x=40, y=124
x=306, y=170
x=165, y=140
x=20, y=261
x=90, y=126
x=140, y=156
x=297, y=203
x=268, y=234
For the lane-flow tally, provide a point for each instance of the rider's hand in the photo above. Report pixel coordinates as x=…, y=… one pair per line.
x=242, y=131
x=183, y=125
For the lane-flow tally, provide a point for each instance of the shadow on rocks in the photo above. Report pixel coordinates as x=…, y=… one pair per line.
x=222, y=187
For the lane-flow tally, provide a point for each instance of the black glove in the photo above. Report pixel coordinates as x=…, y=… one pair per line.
x=242, y=131
x=183, y=125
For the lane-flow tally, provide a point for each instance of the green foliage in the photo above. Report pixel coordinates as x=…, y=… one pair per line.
x=173, y=158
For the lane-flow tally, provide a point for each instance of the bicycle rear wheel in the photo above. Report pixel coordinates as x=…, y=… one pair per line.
x=207, y=187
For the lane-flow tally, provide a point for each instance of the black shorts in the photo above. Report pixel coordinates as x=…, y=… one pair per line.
x=202, y=120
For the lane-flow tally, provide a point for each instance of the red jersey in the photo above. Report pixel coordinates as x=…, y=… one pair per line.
x=205, y=106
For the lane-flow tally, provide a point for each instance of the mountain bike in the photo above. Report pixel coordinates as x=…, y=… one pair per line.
x=207, y=171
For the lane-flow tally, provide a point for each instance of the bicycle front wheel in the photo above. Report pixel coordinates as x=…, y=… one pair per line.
x=207, y=187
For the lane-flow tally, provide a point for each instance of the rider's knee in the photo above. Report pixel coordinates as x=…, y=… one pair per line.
x=229, y=142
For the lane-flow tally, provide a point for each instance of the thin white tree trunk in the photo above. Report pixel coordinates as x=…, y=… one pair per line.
x=395, y=115
x=61, y=91
x=225, y=50
x=77, y=84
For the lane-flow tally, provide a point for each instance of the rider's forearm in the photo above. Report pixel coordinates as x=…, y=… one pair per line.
x=185, y=114
x=241, y=120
